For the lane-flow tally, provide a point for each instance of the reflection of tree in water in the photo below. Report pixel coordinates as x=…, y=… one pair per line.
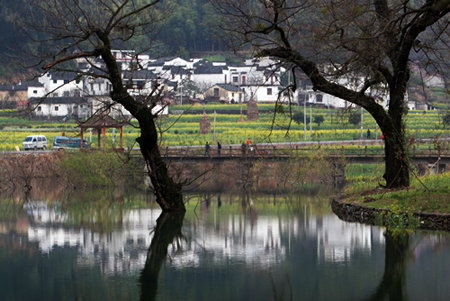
x=247, y=208
x=168, y=228
x=397, y=252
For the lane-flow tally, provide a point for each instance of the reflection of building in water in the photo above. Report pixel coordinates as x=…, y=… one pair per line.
x=249, y=238
x=122, y=249
x=337, y=240
x=237, y=238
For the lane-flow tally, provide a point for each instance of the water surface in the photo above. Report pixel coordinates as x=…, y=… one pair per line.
x=226, y=247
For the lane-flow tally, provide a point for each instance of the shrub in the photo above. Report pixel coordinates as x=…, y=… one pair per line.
x=355, y=118
x=102, y=169
x=299, y=118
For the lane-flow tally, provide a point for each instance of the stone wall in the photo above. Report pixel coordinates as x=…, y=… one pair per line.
x=364, y=214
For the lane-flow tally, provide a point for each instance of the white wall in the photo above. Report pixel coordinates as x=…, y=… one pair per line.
x=36, y=92
x=59, y=88
x=260, y=93
x=53, y=109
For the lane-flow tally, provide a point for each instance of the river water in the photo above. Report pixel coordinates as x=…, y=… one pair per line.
x=228, y=246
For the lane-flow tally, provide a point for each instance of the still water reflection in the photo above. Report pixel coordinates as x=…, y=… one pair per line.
x=228, y=246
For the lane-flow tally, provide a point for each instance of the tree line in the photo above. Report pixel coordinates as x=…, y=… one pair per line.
x=189, y=29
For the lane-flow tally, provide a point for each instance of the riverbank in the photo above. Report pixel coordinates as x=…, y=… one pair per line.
x=427, y=199
x=354, y=212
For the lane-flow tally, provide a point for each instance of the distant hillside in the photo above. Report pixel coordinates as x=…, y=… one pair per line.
x=188, y=31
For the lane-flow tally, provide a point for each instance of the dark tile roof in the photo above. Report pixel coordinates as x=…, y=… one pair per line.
x=229, y=87
x=210, y=69
x=58, y=100
x=23, y=86
x=31, y=84
x=161, y=61
x=63, y=75
x=13, y=88
x=140, y=74
x=202, y=63
x=100, y=121
x=176, y=69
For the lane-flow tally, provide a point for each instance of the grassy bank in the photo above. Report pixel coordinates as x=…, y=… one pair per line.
x=430, y=193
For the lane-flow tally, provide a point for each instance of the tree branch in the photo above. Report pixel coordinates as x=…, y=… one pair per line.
x=98, y=51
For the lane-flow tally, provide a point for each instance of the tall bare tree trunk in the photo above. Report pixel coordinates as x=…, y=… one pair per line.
x=168, y=193
x=394, y=130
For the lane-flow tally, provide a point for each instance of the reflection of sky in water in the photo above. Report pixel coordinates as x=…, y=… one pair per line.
x=257, y=240
x=251, y=251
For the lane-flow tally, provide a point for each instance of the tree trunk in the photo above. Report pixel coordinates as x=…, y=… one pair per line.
x=394, y=130
x=396, y=169
x=168, y=193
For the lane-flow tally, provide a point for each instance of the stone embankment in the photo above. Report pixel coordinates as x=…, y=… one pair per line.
x=358, y=213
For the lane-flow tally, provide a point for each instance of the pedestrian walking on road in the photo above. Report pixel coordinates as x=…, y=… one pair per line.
x=206, y=149
x=219, y=147
x=243, y=148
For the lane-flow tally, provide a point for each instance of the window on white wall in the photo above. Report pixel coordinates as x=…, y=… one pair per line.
x=269, y=91
x=39, y=108
x=56, y=108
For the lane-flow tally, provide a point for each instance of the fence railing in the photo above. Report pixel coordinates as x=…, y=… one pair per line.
x=297, y=150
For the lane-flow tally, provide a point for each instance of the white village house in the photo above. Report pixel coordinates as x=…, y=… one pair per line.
x=61, y=84
x=224, y=93
x=59, y=107
x=260, y=79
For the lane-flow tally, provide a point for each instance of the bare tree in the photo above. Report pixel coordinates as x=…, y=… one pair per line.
x=331, y=40
x=64, y=31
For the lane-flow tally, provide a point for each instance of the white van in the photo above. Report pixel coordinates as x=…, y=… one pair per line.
x=35, y=142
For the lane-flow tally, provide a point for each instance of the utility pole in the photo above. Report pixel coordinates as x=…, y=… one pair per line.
x=310, y=122
x=304, y=115
x=214, y=125
x=181, y=87
x=362, y=119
